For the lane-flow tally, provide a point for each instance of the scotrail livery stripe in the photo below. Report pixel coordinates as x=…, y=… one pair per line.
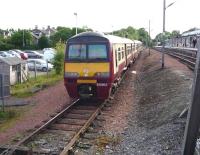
x=86, y=81
x=87, y=69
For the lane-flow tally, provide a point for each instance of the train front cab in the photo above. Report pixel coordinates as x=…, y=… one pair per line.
x=90, y=74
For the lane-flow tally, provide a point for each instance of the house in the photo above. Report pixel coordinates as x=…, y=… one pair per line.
x=38, y=33
x=15, y=68
x=7, y=33
x=49, y=31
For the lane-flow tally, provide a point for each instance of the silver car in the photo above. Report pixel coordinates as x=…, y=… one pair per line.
x=5, y=54
x=34, y=55
x=14, y=53
x=39, y=64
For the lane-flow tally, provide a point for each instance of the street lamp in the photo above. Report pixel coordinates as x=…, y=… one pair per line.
x=163, y=45
x=23, y=39
x=75, y=14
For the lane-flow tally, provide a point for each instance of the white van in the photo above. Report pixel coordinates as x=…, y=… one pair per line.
x=49, y=54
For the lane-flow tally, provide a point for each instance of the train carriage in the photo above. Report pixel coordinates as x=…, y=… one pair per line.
x=94, y=63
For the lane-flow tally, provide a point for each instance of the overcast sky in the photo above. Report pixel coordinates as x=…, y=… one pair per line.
x=100, y=15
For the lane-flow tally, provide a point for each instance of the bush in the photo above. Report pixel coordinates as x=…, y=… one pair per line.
x=7, y=115
x=58, y=61
x=5, y=46
x=43, y=42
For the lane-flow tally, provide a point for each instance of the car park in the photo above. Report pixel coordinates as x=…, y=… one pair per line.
x=13, y=53
x=5, y=54
x=34, y=55
x=39, y=64
x=22, y=54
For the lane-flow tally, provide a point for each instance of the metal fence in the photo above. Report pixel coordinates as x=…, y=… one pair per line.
x=4, y=88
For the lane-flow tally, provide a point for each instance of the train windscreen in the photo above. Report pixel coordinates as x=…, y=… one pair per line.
x=97, y=52
x=77, y=51
x=87, y=52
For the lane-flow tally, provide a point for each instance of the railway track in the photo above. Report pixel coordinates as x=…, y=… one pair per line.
x=187, y=57
x=59, y=134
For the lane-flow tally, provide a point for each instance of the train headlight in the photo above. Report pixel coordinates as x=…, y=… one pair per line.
x=71, y=74
x=102, y=74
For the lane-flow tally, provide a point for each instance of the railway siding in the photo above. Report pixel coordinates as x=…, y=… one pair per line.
x=186, y=55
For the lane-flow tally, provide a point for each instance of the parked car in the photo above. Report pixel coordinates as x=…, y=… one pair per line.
x=23, y=55
x=13, y=53
x=34, y=54
x=49, y=54
x=5, y=54
x=40, y=64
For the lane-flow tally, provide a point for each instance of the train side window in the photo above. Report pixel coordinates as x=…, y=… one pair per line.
x=116, y=58
x=119, y=56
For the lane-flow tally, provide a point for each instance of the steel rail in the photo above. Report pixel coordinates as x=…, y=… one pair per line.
x=69, y=145
x=185, y=58
x=11, y=150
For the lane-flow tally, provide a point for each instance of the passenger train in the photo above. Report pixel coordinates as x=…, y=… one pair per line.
x=95, y=62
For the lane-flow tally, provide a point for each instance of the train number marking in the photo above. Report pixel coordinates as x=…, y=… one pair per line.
x=85, y=72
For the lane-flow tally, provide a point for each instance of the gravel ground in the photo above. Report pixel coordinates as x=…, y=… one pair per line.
x=44, y=104
x=142, y=119
x=154, y=127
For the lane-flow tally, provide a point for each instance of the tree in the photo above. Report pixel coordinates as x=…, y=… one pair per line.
x=64, y=33
x=143, y=36
x=133, y=34
x=1, y=32
x=18, y=37
x=129, y=32
x=175, y=33
x=43, y=42
x=59, y=58
x=5, y=46
x=160, y=37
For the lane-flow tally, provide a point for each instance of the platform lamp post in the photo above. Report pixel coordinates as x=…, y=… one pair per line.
x=149, y=36
x=75, y=14
x=163, y=45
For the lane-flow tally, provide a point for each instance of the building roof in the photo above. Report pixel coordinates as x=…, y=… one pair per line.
x=36, y=36
x=37, y=33
x=190, y=33
x=12, y=61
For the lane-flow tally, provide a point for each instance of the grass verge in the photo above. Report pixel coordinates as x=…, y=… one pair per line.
x=11, y=115
x=33, y=85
